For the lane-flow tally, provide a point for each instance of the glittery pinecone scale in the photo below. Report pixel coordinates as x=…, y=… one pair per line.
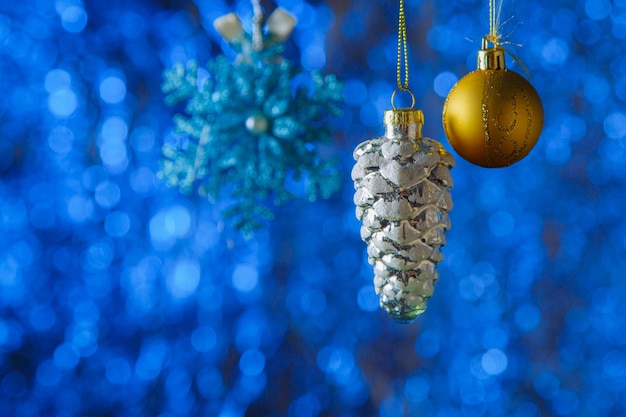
x=403, y=199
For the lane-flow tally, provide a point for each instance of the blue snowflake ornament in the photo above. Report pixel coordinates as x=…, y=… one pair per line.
x=251, y=127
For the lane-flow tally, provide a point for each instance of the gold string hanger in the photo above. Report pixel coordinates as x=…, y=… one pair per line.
x=495, y=25
x=403, y=59
x=494, y=18
x=495, y=37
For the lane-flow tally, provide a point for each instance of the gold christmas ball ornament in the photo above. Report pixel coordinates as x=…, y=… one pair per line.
x=493, y=117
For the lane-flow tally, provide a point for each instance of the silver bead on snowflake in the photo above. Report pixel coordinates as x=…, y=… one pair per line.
x=403, y=184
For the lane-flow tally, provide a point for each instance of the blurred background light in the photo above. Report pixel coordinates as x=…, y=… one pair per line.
x=122, y=297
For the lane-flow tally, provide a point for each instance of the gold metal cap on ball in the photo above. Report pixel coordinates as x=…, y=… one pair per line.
x=493, y=117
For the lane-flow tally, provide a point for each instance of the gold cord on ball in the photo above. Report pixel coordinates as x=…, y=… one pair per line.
x=494, y=17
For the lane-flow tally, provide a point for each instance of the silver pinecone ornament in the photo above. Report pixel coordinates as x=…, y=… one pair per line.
x=403, y=184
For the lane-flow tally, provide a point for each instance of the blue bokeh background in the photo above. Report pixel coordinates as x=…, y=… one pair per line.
x=121, y=297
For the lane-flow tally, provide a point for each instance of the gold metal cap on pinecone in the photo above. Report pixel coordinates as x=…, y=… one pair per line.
x=406, y=117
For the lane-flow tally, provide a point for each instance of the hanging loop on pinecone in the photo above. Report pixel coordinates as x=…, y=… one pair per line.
x=393, y=97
